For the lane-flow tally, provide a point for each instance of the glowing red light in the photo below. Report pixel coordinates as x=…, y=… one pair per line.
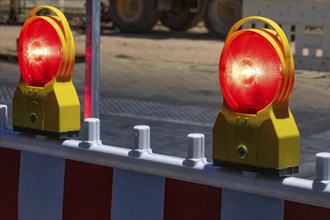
x=39, y=52
x=250, y=72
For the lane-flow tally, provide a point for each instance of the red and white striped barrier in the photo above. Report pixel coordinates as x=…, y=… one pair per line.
x=43, y=178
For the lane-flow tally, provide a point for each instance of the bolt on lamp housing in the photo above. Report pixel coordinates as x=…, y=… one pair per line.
x=255, y=130
x=45, y=101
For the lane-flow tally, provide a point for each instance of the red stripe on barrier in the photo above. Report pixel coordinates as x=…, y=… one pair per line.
x=9, y=179
x=87, y=191
x=300, y=211
x=185, y=200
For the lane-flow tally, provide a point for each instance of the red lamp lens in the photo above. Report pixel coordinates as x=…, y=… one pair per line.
x=39, y=52
x=250, y=72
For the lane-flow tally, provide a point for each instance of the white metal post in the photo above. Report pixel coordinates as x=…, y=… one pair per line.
x=92, y=62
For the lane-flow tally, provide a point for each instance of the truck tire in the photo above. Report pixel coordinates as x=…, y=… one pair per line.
x=180, y=18
x=220, y=15
x=133, y=16
x=105, y=14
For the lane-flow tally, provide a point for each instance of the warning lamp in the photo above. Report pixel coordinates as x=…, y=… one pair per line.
x=255, y=130
x=45, y=101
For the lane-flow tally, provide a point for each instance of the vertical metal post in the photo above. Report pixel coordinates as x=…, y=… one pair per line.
x=92, y=59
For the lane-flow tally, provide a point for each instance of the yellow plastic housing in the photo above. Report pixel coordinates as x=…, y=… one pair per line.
x=271, y=142
x=268, y=141
x=55, y=108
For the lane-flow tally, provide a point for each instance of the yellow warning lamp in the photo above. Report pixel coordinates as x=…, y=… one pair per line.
x=45, y=101
x=255, y=130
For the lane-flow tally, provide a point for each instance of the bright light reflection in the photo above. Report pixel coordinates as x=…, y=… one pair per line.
x=245, y=72
x=37, y=52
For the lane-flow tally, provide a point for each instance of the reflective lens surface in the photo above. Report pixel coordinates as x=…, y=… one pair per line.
x=39, y=52
x=250, y=72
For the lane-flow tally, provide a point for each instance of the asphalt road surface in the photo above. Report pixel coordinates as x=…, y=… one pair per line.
x=169, y=81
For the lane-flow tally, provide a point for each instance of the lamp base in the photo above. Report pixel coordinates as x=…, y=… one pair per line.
x=60, y=135
x=265, y=170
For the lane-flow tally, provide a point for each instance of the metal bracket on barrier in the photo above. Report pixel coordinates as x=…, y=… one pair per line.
x=196, y=150
x=3, y=117
x=141, y=141
x=322, y=170
x=91, y=133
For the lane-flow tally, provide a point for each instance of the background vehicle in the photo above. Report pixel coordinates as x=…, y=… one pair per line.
x=138, y=16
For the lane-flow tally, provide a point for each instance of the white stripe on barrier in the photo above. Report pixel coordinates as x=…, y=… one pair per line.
x=137, y=195
x=41, y=186
x=239, y=205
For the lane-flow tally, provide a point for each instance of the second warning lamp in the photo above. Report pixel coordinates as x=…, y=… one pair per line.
x=255, y=130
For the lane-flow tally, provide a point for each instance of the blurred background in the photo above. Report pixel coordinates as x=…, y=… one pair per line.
x=159, y=65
